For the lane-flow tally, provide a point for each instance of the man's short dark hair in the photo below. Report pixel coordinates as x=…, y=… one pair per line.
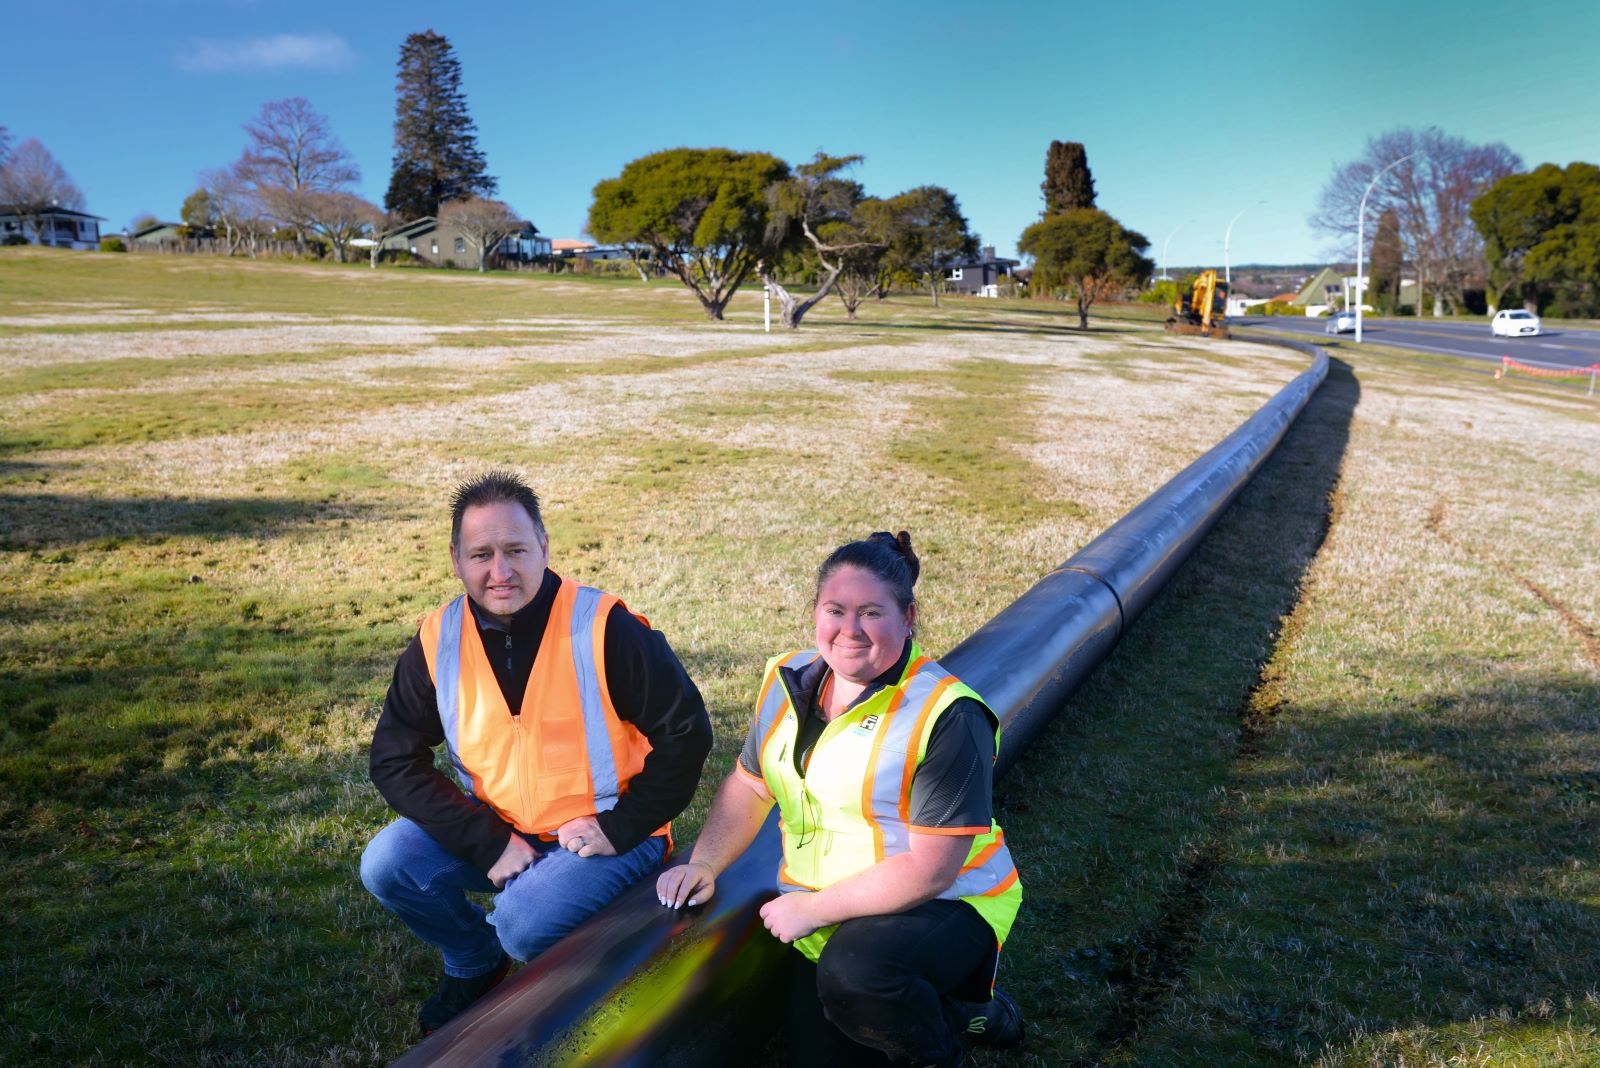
x=493, y=487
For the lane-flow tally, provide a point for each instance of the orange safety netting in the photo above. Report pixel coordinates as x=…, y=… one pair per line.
x=1507, y=364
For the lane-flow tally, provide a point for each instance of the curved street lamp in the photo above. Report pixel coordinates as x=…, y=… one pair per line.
x=1361, y=237
x=1227, y=266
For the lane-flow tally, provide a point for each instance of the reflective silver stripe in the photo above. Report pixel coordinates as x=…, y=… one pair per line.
x=596, y=738
x=890, y=775
x=899, y=746
x=447, y=682
x=985, y=877
x=777, y=696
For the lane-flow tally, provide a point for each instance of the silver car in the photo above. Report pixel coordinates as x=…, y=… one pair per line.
x=1341, y=323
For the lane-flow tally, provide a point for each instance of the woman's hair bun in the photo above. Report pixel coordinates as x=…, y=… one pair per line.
x=901, y=544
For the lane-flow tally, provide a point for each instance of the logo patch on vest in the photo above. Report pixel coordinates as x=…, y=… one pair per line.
x=867, y=726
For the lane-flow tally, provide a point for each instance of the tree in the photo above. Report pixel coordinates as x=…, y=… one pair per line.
x=198, y=214
x=31, y=183
x=292, y=159
x=929, y=232
x=1091, y=252
x=143, y=221
x=436, y=154
x=1067, y=184
x=868, y=234
x=483, y=224
x=813, y=203
x=1541, y=234
x=384, y=226
x=237, y=207
x=1430, y=194
x=1387, y=259
x=702, y=212
x=341, y=217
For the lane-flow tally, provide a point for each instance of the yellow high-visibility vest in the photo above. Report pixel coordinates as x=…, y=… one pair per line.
x=852, y=808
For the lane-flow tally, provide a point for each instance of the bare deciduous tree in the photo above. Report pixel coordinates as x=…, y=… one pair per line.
x=31, y=183
x=341, y=218
x=292, y=157
x=1430, y=195
x=237, y=207
x=387, y=224
x=482, y=224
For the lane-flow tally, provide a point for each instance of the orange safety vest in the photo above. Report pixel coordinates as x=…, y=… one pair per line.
x=567, y=754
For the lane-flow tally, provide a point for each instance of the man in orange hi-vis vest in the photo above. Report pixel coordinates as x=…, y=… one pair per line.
x=574, y=732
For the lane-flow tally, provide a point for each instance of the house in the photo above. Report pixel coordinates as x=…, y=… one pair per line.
x=424, y=239
x=980, y=276
x=157, y=232
x=570, y=246
x=57, y=227
x=1321, y=291
x=1331, y=288
x=610, y=252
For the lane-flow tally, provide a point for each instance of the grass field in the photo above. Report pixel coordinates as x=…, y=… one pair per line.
x=1334, y=800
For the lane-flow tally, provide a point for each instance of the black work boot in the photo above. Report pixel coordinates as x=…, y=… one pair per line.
x=453, y=995
x=996, y=1024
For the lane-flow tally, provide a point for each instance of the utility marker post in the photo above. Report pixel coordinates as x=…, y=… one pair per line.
x=766, y=307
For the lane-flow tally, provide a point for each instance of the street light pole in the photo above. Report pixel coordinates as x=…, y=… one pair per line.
x=1164, y=244
x=1227, y=265
x=1361, y=238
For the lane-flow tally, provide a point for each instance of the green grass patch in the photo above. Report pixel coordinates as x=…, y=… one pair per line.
x=968, y=432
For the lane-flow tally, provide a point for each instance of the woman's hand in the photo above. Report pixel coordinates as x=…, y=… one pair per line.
x=790, y=916
x=687, y=884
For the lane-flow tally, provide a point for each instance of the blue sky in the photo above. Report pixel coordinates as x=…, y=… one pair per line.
x=1187, y=120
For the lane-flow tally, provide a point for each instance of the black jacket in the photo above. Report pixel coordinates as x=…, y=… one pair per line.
x=649, y=689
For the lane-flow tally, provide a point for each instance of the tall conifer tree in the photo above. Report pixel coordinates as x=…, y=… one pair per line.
x=1067, y=184
x=436, y=154
x=1383, y=287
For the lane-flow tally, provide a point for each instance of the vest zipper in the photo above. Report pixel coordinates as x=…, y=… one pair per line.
x=517, y=762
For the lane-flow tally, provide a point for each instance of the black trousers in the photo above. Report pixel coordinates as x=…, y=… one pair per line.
x=882, y=991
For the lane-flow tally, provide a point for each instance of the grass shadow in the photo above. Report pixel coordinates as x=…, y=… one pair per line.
x=1116, y=811
x=33, y=521
x=1389, y=903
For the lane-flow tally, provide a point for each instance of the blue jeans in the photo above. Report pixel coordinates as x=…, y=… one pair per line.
x=426, y=887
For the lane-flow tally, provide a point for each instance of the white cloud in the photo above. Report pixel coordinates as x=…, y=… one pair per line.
x=276, y=52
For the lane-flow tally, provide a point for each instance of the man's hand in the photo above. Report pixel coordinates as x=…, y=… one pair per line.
x=687, y=884
x=517, y=857
x=584, y=837
x=788, y=916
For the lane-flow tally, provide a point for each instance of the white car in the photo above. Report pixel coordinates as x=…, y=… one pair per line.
x=1341, y=323
x=1514, y=322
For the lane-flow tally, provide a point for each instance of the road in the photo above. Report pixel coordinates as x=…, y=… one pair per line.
x=1557, y=346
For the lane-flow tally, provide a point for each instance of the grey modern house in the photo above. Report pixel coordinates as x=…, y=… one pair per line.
x=979, y=276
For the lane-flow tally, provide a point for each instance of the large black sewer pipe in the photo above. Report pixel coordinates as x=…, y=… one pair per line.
x=641, y=985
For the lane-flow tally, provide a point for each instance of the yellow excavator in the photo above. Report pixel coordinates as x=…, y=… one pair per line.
x=1202, y=310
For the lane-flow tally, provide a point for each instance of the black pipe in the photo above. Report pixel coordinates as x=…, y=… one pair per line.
x=639, y=984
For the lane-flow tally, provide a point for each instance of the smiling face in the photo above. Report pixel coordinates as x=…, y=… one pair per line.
x=861, y=630
x=500, y=557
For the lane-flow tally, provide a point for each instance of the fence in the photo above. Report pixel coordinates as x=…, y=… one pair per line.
x=1539, y=369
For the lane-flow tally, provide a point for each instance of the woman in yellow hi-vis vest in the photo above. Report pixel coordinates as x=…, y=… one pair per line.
x=898, y=888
